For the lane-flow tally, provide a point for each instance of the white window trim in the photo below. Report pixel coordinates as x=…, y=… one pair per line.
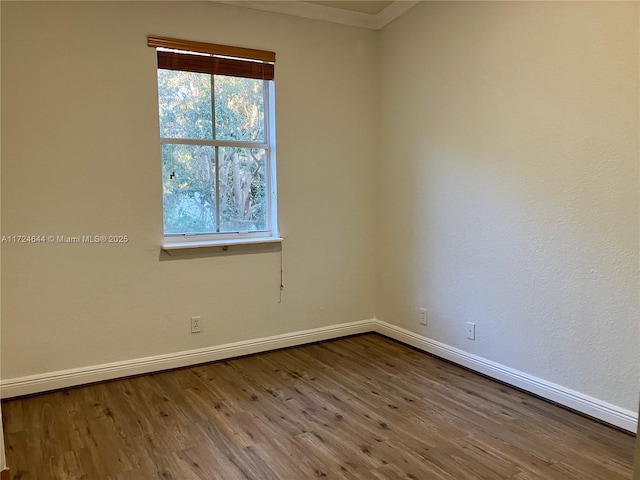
x=192, y=241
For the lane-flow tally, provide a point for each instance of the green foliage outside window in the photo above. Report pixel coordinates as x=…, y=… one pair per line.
x=197, y=198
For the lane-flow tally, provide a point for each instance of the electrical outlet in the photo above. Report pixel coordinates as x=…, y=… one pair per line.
x=196, y=324
x=471, y=330
x=424, y=319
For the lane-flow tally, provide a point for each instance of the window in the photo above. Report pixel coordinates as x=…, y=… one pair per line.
x=217, y=133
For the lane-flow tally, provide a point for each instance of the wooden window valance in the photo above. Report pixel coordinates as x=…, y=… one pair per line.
x=213, y=58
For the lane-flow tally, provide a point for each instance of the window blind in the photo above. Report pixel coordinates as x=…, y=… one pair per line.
x=214, y=59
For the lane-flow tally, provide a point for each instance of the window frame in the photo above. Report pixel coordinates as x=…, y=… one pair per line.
x=173, y=241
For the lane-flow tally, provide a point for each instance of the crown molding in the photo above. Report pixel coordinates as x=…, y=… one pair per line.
x=327, y=14
x=392, y=12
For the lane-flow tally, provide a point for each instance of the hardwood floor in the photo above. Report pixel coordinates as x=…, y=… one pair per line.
x=362, y=407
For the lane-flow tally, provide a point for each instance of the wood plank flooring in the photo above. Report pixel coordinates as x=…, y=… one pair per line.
x=362, y=407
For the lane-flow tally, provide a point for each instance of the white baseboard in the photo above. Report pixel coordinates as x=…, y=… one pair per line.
x=580, y=402
x=16, y=387
x=612, y=414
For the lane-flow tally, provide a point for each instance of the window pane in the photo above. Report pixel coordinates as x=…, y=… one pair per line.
x=239, y=109
x=185, y=104
x=188, y=179
x=243, y=189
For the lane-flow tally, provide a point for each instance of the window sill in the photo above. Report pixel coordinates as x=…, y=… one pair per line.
x=169, y=245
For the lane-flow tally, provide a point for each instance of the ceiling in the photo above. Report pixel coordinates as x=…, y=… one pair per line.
x=370, y=8
x=360, y=13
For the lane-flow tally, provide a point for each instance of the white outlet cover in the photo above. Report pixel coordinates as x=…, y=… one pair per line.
x=196, y=324
x=471, y=330
x=424, y=318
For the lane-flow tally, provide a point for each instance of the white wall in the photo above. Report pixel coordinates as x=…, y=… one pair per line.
x=509, y=186
x=81, y=155
x=636, y=464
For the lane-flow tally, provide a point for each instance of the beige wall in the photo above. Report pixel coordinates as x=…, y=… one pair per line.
x=81, y=155
x=508, y=186
x=491, y=149
x=3, y=459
